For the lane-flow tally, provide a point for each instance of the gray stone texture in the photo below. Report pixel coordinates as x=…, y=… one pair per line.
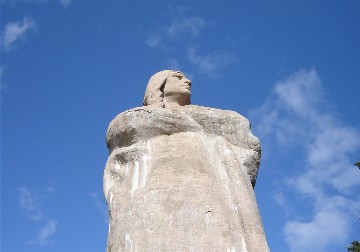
x=182, y=180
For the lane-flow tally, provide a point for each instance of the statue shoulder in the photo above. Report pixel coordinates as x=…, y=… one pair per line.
x=142, y=123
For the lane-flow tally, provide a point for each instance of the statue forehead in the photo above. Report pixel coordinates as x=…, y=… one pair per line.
x=163, y=75
x=177, y=72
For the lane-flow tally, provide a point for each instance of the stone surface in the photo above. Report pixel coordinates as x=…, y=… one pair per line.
x=182, y=180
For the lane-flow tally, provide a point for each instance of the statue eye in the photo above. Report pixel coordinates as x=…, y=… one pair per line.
x=179, y=77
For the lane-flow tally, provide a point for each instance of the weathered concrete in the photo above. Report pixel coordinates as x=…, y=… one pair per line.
x=181, y=180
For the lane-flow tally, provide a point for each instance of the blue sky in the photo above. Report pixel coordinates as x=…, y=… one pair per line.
x=68, y=67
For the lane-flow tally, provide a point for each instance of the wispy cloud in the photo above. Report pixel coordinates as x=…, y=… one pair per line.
x=183, y=26
x=210, y=63
x=179, y=30
x=153, y=39
x=30, y=204
x=180, y=36
x=14, y=31
x=65, y=3
x=297, y=114
x=45, y=234
x=329, y=225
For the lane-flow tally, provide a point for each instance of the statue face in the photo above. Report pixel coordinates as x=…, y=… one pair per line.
x=177, y=84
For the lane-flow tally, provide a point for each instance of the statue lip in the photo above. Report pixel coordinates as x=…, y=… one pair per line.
x=187, y=87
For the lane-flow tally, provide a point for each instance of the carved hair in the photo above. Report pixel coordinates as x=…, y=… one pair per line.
x=154, y=94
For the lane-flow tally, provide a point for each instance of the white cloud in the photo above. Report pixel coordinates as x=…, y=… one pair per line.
x=210, y=63
x=180, y=27
x=281, y=201
x=328, y=227
x=153, y=39
x=300, y=93
x=28, y=202
x=45, y=234
x=298, y=115
x=325, y=229
x=65, y=3
x=178, y=37
x=14, y=31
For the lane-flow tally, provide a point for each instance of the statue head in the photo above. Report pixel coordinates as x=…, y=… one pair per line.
x=168, y=89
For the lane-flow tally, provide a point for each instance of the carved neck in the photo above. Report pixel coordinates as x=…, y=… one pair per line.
x=175, y=101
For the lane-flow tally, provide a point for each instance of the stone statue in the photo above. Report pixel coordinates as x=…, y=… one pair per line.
x=180, y=177
x=175, y=93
